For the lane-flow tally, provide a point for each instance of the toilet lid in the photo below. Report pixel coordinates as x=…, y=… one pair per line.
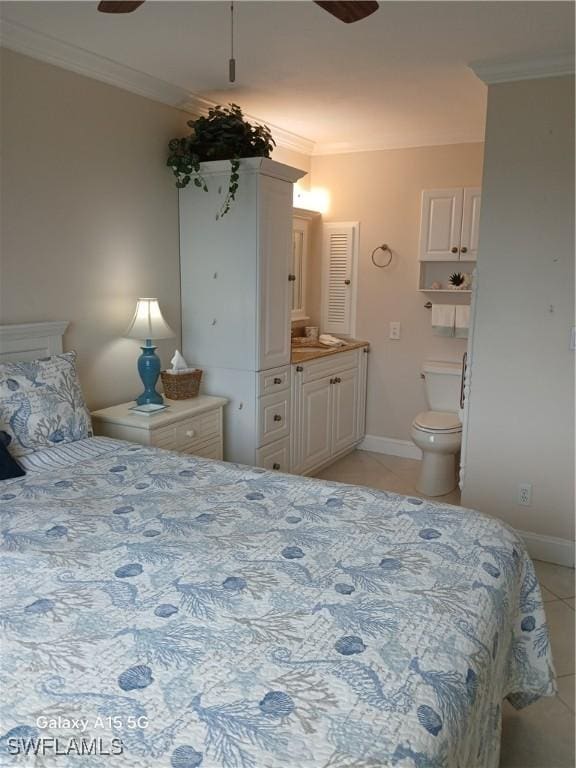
x=438, y=421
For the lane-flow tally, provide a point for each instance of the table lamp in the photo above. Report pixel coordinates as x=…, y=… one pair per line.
x=149, y=324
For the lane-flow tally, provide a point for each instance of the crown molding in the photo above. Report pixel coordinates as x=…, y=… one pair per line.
x=492, y=71
x=200, y=106
x=432, y=140
x=38, y=45
x=27, y=41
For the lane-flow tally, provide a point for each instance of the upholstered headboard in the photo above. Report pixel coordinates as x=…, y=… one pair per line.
x=31, y=341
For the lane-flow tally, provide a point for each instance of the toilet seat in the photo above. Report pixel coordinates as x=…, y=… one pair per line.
x=442, y=422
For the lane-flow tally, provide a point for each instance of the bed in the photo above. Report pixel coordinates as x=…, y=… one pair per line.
x=173, y=611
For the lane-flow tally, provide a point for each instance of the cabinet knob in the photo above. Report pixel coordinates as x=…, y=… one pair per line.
x=332, y=381
x=454, y=250
x=275, y=465
x=277, y=417
x=337, y=380
x=346, y=282
x=291, y=278
x=190, y=432
x=299, y=369
x=277, y=380
x=463, y=249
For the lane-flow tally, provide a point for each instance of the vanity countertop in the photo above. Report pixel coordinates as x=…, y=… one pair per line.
x=302, y=353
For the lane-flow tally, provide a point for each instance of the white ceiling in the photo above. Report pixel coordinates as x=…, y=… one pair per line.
x=398, y=78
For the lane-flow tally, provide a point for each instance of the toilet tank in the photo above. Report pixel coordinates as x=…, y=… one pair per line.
x=442, y=381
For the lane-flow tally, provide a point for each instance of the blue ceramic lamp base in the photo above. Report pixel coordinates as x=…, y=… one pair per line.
x=149, y=370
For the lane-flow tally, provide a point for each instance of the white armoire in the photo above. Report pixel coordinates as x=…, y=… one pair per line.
x=236, y=300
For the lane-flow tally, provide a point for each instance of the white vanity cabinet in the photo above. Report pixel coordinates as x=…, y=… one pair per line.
x=328, y=408
x=237, y=299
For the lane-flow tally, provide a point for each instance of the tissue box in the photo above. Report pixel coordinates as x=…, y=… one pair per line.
x=181, y=386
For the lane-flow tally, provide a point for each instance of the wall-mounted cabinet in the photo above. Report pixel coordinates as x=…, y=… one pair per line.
x=449, y=224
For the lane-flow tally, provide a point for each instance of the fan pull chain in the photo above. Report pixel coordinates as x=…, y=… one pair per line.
x=232, y=60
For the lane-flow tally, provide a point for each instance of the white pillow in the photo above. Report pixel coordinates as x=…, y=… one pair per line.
x=41, y=404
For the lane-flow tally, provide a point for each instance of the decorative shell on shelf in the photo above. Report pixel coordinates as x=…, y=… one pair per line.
x=467, y=284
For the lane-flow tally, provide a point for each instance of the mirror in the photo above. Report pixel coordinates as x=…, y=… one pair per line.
x=299, y=258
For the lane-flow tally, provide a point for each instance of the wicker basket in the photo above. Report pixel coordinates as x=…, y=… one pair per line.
x=181, y=386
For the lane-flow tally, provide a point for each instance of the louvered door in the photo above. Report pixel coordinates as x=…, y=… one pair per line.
x=340, y=244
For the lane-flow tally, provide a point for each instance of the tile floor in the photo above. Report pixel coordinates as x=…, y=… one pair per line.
x=542, y=735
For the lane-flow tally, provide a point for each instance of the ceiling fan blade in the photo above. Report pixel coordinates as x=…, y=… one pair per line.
x=349, y=12
x=118, y=6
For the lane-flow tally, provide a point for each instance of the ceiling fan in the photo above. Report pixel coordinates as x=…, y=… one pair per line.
x=348, y=12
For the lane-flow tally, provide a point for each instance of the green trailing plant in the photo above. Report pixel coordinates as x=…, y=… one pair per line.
x=224, y=134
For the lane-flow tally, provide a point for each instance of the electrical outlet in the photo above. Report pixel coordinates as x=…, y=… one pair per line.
x=525, y=494
x=395, y=330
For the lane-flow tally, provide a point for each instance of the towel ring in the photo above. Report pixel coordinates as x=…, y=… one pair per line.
x=386, y=249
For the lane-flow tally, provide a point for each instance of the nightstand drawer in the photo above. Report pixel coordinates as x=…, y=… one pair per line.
x=211, y=450
x=197, y=430
x=274, y=380
x=275, y=456
x=164, y=437
x=185, y=425
x=274, y=419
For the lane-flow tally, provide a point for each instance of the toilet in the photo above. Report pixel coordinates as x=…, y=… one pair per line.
x=438, y=432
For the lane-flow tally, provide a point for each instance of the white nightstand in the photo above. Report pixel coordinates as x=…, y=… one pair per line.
x=190, y=426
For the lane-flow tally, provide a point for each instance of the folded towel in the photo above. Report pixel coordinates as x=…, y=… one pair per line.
x=443, y=319
x=331, y=341
x=462, y=321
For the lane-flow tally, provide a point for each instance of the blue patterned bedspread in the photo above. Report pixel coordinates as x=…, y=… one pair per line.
x=188, y=613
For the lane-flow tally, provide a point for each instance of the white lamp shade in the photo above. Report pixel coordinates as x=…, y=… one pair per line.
x=148, y=322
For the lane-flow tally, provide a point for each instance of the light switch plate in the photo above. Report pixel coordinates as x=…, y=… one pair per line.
x=573, y=340
x=395, y=330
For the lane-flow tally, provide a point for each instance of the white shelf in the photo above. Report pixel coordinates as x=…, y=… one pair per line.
x=443, y=290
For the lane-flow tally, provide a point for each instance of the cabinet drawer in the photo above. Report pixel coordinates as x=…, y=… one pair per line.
x=326, y=366
x=274, y=380
x=210, y=450
x=197, y=430
x=274, y=417
x=164, y=437
x=275, y=456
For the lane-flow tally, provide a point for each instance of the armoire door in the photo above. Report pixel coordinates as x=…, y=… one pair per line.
x=275, y=258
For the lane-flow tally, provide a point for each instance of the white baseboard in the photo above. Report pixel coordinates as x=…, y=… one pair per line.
x=390, y=445
x=549, y=548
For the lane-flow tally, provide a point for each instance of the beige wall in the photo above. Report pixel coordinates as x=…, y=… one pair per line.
x=522, y=386
x=382, y=191
x=89, y=215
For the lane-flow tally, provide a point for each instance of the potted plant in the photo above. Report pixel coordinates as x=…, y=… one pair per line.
x=224, y=134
